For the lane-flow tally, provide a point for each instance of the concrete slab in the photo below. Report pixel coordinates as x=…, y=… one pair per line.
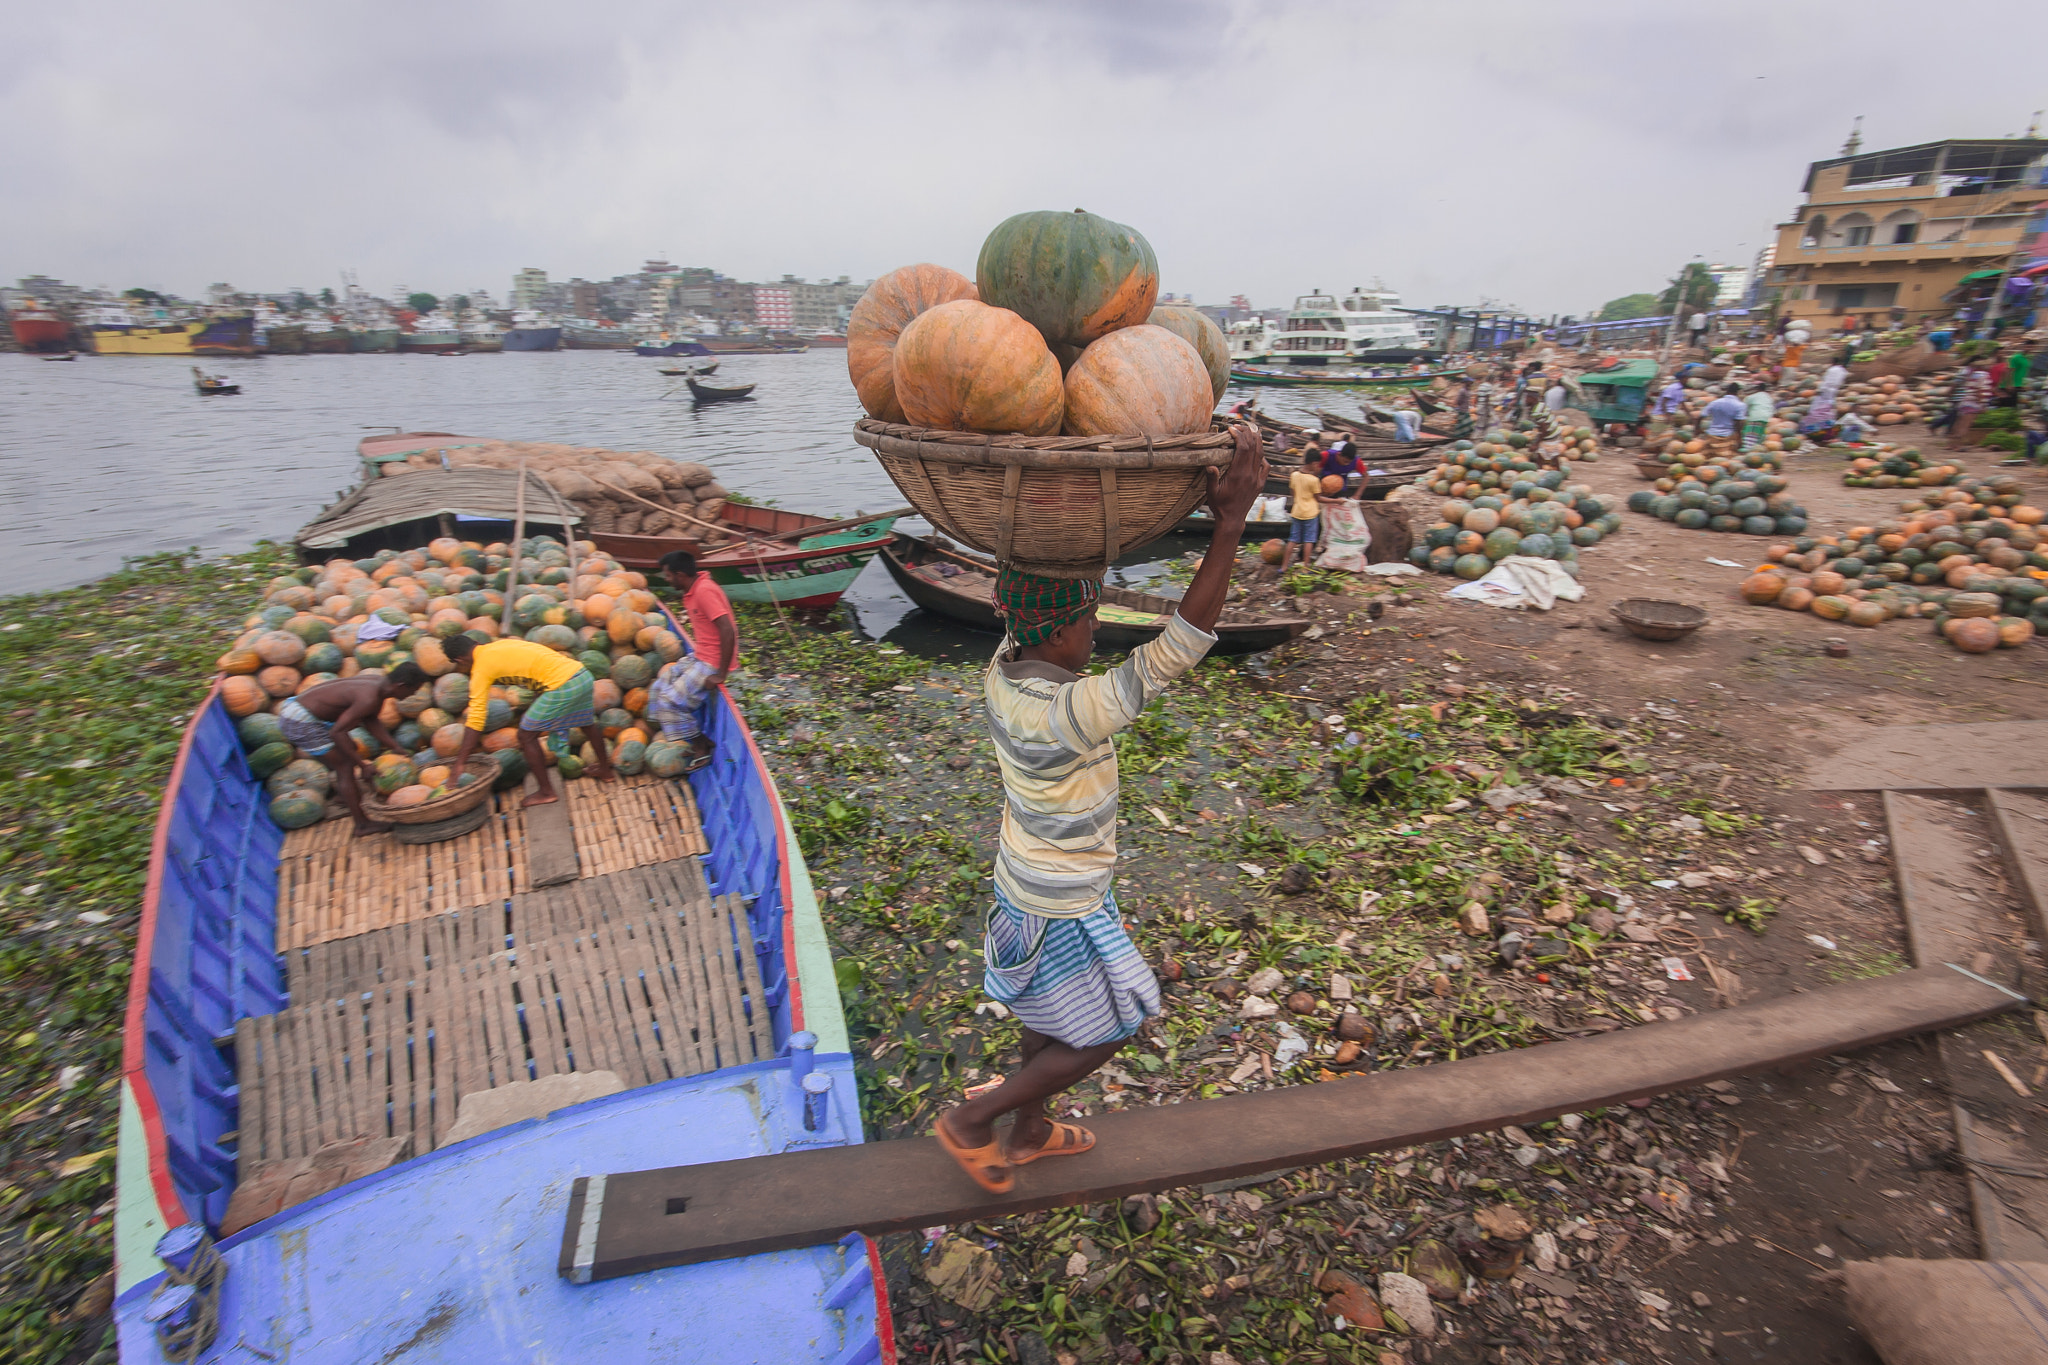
x=1935, y=757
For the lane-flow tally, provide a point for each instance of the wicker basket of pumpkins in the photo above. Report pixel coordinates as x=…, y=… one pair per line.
x=1046, y=412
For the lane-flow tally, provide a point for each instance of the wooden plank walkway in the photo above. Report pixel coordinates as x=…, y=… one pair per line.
x=332, y=885
x=641, y=973
x=772, y=1203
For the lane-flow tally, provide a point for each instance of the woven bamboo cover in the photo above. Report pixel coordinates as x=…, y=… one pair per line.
x=1065, y=506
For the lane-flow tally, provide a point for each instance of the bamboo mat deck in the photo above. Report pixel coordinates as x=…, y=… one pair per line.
x=641, y=973
x=333, y=885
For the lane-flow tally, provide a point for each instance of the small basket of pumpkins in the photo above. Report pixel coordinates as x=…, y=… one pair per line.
x=439, y=794
x=1046, y=412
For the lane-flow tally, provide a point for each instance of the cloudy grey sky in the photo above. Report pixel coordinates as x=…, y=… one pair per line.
x=1548, y=155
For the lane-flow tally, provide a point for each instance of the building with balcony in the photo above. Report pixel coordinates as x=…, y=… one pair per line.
x=774, y=308
x=1893, y=233
x=529, y=288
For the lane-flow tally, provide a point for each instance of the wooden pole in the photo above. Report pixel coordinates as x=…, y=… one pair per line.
x=518, y=536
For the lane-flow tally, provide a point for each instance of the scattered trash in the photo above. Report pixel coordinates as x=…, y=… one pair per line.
x=1667, y=883
x=1813, y=855
x=1403, y=1297
x=1676, y=970
x=965, y=1273
x=1262, y=981
x=1293, y=1046
x=1726, y=563
x=1521, y=581
x=1819, y=942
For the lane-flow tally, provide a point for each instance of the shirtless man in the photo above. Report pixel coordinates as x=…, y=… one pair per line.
x=317, y=722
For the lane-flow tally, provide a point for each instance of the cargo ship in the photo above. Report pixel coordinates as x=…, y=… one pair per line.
x=173, y=338
x=532, y=332
x=288, y=338
x=751, y=346
x=582, y=334
x=668, y=345
x=486, y=336
x=36, y=328
x=324, y=338
x=434, y=334
x=234, y=335
x=373, y=340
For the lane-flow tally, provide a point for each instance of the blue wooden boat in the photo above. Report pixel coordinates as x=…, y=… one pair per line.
x=345, y=1059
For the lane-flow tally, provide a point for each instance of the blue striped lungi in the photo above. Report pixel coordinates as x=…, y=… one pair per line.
x=1080, y=981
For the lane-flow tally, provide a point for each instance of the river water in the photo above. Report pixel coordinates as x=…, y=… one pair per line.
x=109, y=457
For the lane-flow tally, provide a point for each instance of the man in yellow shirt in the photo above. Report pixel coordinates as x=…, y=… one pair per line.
x=566, y=692
x=1305, y=518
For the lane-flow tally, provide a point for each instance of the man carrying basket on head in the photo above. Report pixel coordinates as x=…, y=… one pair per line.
x=1056, y=952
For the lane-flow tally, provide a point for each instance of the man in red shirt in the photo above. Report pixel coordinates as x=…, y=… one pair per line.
x=678, y=691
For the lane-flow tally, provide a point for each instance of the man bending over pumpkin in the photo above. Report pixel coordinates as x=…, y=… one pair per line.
x=317, y=723
x=566, y=694
x=1055, y=950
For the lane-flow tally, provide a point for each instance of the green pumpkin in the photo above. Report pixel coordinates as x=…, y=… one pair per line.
x=323, y=658
x=1074, y=276
x=630, y=758
x=1502, y=542
x=258, y=730
x=297, y=808
x=269, y=758
x=597, y=661
x=1469, y=567
x=511, y=769
x=396, y=775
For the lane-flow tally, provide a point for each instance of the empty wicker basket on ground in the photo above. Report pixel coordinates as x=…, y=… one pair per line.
x=1064, y=506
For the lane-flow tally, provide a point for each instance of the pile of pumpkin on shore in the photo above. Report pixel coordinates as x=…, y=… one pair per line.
x=305, y=634
x=1504, y=498
x=1056, y=334
x=1971, y=558
x=1703, y=489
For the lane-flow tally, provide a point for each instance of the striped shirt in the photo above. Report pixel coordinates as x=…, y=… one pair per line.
x=514, y=663
x=1052, y=734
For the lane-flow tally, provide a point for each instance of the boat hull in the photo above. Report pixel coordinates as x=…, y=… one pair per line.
x=972, y=609
x=429, y=343
x=374, y=341
x=358, y=1273
x=285, y=341
x=715, y=347
x=597, y=339
x=41, y=333
x=487, y=342
x=225, y=336
x=144, y=340
x=534, y=339
x=671, y=348
x=1341, y=378
x=333, y=341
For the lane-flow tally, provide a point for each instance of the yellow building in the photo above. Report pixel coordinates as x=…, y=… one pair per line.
x=1891, y=232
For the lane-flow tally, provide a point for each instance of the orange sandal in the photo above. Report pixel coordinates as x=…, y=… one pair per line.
x=978, y=1162
x=1068, y=1139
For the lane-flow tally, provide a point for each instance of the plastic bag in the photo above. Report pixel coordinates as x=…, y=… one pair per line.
x=1346, y=537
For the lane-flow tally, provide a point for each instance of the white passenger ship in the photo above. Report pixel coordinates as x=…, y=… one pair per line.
x=1361, y=327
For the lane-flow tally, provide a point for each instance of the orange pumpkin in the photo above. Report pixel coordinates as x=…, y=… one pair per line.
x=435, y=776
x=279, y=680
x=1827, y=582
x=605, y=694
x=1796, y=599
x=1138, y=380
x=635, y=700
x=621, y=626
x=2014, y=631
x=448, y=739
x=964, y=366
x=243, y=695
x=405, y=797
x=1762, y=589
x=596, y=607
x=891, y=304
x=1972, y=634
x=1200, y=331
x=507, y=738
x=239, y=661
x=632, y=734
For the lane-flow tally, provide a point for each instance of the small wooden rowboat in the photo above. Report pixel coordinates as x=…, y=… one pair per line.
x=793, y=558
x=957, y=585
x=717, y=393
x=708, y=367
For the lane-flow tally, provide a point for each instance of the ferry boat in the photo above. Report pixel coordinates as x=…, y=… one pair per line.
x=1251, y=341
x=37, y=328
x=399, y=1065
x=532, y=332
x=1361, y=327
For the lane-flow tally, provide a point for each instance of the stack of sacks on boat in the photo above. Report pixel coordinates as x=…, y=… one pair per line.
x=306, y=632
x=612, y=488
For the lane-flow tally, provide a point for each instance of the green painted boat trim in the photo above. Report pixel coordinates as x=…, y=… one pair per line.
x=138, y=1226
x=824, y=1014
x=742, y=589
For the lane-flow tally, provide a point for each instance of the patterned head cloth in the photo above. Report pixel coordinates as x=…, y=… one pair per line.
x=1035, y=606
